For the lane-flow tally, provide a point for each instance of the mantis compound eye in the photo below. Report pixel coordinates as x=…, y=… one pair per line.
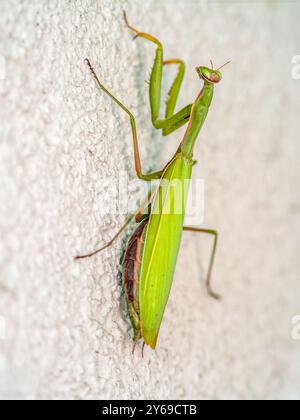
x=215, y=76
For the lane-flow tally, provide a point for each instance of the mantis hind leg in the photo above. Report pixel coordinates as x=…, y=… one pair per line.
x=138, y=216
x=212, y=258
x=91, y=254
x=172, y=120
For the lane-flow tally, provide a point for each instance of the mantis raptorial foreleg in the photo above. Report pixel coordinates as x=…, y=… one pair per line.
x=172, y=121
x=137, y=160
x=212, y=258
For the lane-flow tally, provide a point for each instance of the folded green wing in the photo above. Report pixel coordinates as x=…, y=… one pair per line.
x=161, y=247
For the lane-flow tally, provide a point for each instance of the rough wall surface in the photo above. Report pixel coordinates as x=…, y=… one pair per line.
x=62, y=331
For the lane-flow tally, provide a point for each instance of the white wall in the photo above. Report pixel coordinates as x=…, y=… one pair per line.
x=62, y=333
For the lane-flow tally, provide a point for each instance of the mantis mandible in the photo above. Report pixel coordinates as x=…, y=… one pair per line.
x=151, y=254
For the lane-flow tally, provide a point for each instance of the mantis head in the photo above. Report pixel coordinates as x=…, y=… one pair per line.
x=210, y=75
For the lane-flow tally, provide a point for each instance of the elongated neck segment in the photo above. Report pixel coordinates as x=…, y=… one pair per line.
x=198, y=114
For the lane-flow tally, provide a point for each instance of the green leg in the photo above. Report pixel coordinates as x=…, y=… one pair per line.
x=212, y=258
x=137, y=160
x=172, y=121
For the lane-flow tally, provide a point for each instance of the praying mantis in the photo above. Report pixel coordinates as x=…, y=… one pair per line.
x=151, y=253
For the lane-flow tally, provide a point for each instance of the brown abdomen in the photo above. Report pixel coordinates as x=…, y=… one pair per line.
x=131, y=263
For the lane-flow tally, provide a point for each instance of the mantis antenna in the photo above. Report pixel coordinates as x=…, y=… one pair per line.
x=223, y=65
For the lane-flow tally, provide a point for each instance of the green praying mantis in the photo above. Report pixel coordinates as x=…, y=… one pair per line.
x=151, y=254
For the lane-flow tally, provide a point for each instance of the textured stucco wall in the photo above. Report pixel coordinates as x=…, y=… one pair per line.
x=62, y=334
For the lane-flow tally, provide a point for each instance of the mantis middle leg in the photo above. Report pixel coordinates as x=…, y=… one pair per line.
x=137, y=160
